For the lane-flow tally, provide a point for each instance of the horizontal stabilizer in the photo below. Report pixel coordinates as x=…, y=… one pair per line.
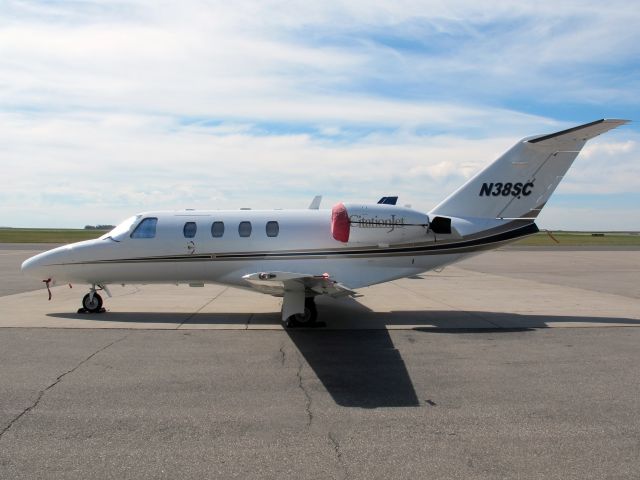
x=388, y=201
x=576, y=135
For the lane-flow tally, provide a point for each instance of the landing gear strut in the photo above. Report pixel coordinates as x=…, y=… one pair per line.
x=306, y=319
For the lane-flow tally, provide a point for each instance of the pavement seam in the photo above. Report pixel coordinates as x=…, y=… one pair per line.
x=336, y=448
x=57, y=380
x=136, y=289
x=202, y=307
x=473, y=314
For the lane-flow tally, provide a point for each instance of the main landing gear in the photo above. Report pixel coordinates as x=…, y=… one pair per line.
x=92, y=301
x=307, y=319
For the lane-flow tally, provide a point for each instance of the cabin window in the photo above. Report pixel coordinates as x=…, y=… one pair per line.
x=272, y=229
x=146, y=228
x=217, y=229
x=190, y=229
x=244, y=229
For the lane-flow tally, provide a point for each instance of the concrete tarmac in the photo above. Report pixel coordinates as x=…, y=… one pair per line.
x=11, y=257
x=445, y=375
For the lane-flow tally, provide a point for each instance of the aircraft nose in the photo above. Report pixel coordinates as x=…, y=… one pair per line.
x=54, y=264
x=42, y=266
x=33, y=267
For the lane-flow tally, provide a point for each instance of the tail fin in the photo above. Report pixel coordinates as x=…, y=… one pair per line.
x=519, y=183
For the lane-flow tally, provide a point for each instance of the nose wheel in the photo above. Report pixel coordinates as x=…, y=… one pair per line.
x=91, y=303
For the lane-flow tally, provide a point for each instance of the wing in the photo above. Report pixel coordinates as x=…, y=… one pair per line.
x=277, y=283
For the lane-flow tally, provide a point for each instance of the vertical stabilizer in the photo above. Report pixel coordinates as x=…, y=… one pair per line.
x=519, y=183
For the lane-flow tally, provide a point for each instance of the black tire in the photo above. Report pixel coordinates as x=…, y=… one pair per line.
x=92, y=306
x=306, y=319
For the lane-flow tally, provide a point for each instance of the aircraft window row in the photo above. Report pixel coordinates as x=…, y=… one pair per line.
x=244, y=229
x=147, y=229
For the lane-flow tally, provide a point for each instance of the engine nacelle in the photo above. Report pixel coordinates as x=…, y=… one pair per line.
x=378, y=223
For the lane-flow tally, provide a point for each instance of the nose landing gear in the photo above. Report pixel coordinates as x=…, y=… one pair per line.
x=92, y=301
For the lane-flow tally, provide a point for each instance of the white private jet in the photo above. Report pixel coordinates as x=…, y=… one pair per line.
x=300, y=254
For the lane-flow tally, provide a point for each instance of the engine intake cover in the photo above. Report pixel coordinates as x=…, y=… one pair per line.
x=377, y=224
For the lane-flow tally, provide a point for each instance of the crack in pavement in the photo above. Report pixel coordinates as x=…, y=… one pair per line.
x=307, y=396
x=57, y=380
x=301, y=386
x=336, y=448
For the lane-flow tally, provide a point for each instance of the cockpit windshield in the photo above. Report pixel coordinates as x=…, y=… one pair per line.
x=122, y=230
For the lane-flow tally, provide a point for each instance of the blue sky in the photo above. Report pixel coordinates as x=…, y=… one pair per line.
x=110, y=108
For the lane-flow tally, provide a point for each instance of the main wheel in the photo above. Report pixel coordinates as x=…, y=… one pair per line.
x=307, y=318
x=92, y=305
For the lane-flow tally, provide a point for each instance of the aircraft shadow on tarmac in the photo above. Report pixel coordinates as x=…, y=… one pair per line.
x=347, y=314
x=435, y=321
x=359, y=366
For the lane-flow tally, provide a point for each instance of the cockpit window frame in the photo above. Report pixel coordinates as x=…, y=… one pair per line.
x=122, y=230
x=144, y=234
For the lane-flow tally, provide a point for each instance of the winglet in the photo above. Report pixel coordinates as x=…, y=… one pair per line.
x=315, y=203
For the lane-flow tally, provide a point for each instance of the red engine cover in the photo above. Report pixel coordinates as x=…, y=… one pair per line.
x=340, y=226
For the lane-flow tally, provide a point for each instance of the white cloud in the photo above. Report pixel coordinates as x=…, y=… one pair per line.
x=114, y=166
x=590, y=219
x=112, y=107
x=606, y=167
x=609, y=148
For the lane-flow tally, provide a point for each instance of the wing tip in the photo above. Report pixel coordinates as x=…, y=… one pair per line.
x=617, y=121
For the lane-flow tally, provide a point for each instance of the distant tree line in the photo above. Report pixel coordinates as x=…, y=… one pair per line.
x=99, y=227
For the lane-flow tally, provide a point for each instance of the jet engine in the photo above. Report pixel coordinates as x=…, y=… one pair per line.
x=378, y=224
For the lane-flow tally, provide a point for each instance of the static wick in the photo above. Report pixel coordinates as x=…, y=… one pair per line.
x=47, y=282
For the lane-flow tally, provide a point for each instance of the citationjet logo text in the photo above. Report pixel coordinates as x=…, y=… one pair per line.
x=375, y=222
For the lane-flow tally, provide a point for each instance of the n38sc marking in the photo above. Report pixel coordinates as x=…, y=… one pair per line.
x=505, y=189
